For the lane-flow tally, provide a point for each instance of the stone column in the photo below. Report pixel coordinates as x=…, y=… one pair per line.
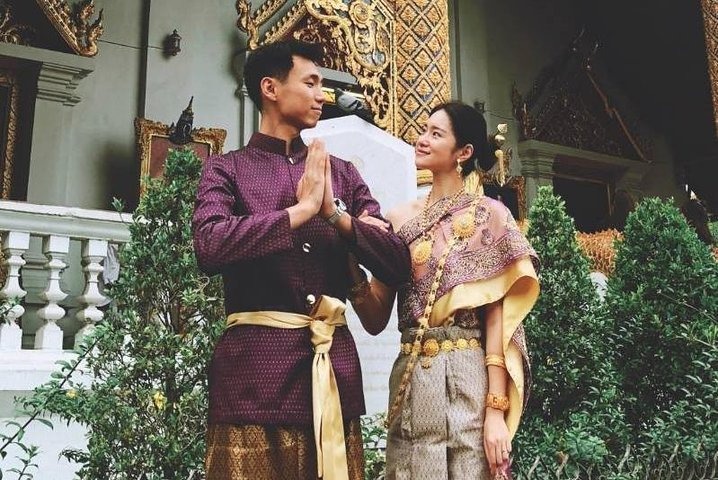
x=53, y=145
x=248, y=117
x=421, y=37
x=536, y=168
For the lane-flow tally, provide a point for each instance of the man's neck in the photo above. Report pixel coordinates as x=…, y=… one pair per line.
x=279, y=130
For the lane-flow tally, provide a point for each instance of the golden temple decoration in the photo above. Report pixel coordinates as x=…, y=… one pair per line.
x=599, y=249
x=421, y=36
x=710, y=21
x=10, y=31
x=356, y=37
x=153, y=155
x=7, y=159
x=568, y=106
x=75, y=25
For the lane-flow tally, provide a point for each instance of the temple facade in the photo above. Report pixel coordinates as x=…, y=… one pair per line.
x=94, y=92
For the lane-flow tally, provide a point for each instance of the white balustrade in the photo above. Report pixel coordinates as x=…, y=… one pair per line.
x=61, y=297
x=15, y=244
x=49, y=336
x=93, y=253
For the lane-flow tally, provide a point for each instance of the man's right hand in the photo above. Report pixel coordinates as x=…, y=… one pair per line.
x=310, y=188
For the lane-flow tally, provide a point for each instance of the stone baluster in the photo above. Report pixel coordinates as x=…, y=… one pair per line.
x=49, y=336
x=93, y=252
x=14, y=246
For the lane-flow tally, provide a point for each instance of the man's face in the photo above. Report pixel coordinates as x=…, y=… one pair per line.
x=300, y=97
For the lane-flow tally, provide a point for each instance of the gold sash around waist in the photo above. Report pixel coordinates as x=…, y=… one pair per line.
x=328, y=313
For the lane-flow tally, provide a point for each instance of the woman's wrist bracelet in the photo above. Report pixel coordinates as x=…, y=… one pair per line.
x=495, y=360
x=498, y=402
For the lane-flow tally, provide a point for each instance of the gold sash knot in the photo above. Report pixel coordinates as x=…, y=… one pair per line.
x=328, y=314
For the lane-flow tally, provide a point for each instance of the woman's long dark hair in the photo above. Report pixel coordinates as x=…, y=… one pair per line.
x=469, y=126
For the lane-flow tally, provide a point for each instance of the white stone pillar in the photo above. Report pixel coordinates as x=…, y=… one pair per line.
x=248, y=117
x=93, y=252
x=49, y=336
x=14, y=246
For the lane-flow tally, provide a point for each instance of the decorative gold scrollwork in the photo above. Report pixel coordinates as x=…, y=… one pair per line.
x=10, y=31
x=7, y=162
x=75, y=25
x=356, y=37
x=360, y=32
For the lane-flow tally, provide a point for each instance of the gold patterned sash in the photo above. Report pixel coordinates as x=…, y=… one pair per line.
x=328, y=314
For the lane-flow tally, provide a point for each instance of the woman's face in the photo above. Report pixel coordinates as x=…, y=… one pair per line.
x=435, y=148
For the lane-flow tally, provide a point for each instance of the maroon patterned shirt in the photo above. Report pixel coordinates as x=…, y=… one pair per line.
x=262, y=375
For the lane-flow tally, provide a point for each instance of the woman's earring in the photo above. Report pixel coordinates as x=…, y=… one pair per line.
x=458, y=166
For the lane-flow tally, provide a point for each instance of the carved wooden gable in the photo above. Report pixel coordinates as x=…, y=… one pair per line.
x=52, y=24
x=356, y=36
x=567, y=106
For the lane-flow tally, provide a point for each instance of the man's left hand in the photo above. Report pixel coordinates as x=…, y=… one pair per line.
x=328, y=207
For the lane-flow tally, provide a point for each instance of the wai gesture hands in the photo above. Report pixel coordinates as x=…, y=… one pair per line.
x=315, y=195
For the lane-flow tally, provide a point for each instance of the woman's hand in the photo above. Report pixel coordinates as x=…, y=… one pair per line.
x=373, y=221
x=497, y=440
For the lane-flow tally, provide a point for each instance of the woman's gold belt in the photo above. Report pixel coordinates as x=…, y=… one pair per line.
x=431, y=346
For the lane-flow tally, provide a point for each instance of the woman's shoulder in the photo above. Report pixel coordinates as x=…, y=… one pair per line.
x=494, y=206
x=401, y=214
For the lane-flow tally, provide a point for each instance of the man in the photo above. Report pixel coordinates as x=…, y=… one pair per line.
x=278, y=220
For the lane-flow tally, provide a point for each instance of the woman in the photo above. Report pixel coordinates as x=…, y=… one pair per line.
x=458, y=386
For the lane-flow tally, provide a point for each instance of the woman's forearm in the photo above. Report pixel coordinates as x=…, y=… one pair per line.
x=498, y=377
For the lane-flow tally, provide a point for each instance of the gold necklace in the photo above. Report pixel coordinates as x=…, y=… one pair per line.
x=422, y=252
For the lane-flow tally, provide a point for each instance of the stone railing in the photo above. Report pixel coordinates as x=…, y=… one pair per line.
x=53, y=259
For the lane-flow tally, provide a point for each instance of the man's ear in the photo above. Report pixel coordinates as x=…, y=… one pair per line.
x=268, y=88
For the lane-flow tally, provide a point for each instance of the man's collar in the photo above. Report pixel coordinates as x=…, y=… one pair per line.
x=276, y=145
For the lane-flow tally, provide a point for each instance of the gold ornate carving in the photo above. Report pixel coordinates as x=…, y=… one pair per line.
x=567, y=106
x=146, y=130
x=356, y=37
x=10, y=31
x=286, y=24
x=710, y=21
x=361, y=40
x=423, y=76
x=75, y=25
x=598, y=247
x=7, y=162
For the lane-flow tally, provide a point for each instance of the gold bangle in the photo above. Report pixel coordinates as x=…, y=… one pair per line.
x=498, y=402
x=495, y=360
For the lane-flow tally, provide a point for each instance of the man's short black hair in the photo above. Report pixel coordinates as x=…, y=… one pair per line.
x=275, y=60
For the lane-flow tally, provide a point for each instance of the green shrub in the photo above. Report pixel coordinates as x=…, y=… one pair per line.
x=146, y=398
x=713, y=228
x=664, y=299
x=574, y=406
x=374, y=439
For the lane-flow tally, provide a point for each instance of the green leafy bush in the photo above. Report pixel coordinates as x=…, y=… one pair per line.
x=574, y=408
x=146, y=398
x=374, y=435
x=664, y=299
x=713, y=228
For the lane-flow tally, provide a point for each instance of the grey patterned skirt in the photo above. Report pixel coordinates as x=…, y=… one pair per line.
x=438, y=433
